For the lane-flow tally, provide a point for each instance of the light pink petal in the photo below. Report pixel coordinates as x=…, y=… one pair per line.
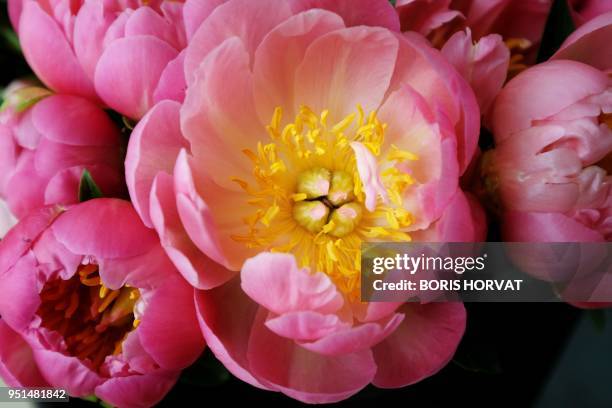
x=154, y=145
x=136, y=391
x=172, y=81
x=344, y=69
x=369, y=173
x=234, y=19
x=356, y=12
x=219, y=117
x=113, y=226
x=304, y=375
x=274, y=281
x=144, y=21
x=138, y=63
x=535, y=94
x=590, y=43
x=17, y=366
x=278, y=56
x=199, y=270
x=226, y=316
x=483, y=65
x=50, y=55
x=545, y=227
x=27, y=187
x=66, y=372
x=373, y=311
x=434, y=78
x=196, y=11
x=305, y=325
x=355, y=339
x=423, y=344
x=169, y=329
x=90, y=27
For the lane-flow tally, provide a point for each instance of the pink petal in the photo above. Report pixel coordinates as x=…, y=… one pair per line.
x=136, y=391
x=50, y=55
x=369, y=173
x=355, y=339
x=21, y=281
x=234, y=19
x=199, y=270
x=17, y=366
x=305, y=325
x=196, y=11
x=278, y=55
x=356, y=12
x=274, y=281
x=169, y=329
x=113, y=226
x=154, y=145
x=226, y=316
x=90, y=27
x=545, y=227
x=66, y=372
x=63, y=187
x=172, y=81
x=422, y=345
x=304, y=375
x=345, y=68
x=139, y=62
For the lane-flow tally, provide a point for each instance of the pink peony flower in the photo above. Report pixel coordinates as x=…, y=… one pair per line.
x=46, y=142
x=96, y=307
x=308, y=128
x=126, y=53
x=551, y=165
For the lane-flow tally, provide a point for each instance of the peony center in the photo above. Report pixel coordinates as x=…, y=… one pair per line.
x=92, y=319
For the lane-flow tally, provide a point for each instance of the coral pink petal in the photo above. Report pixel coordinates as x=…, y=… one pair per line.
x=154, y=145
x=219, y=117
x=274, y=281
x=138, y=62
x=226, y=316
x=356, y=12
x=50, y=55
x=95, y=219
x=545, y=227
x=344, y=69
x=305, y=325
x=429, y=74
x=169, y=329
x=423, y=344
x=355, y=339
x=304, y=375
x=279, y=54
x=199, y=270
x=136, y=391
x=234, y=19
x=17, y=367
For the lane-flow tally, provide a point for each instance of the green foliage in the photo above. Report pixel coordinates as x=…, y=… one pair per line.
x=88, y=189
x=559, y=26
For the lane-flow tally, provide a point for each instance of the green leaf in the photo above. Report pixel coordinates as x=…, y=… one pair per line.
x=598, y=318
x=392, y=2
x=559, y=26
x=24, y=98
x=11, y=39
x=88, y=189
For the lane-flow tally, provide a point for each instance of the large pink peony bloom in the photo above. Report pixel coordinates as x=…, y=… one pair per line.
x=46, y=144
x=309, y=127
x=95, y=306
x=126, y=53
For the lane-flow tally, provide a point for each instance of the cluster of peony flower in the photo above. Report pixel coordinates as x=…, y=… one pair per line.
x=270, y=139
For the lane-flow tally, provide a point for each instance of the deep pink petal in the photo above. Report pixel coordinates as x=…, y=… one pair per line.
x=137, y=62
x=545, y=227
x=356, y=12
x=136, y=391
x=423, y=344
x=169, y=329
x=172, y=81
x=17, y=366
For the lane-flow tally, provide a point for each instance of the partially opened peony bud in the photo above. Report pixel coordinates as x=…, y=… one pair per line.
x=124, y=53
x=95, y=306
x=551, y=165
x=47, y=142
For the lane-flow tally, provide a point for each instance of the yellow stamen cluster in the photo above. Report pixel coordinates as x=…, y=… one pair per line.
x=308, y=198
